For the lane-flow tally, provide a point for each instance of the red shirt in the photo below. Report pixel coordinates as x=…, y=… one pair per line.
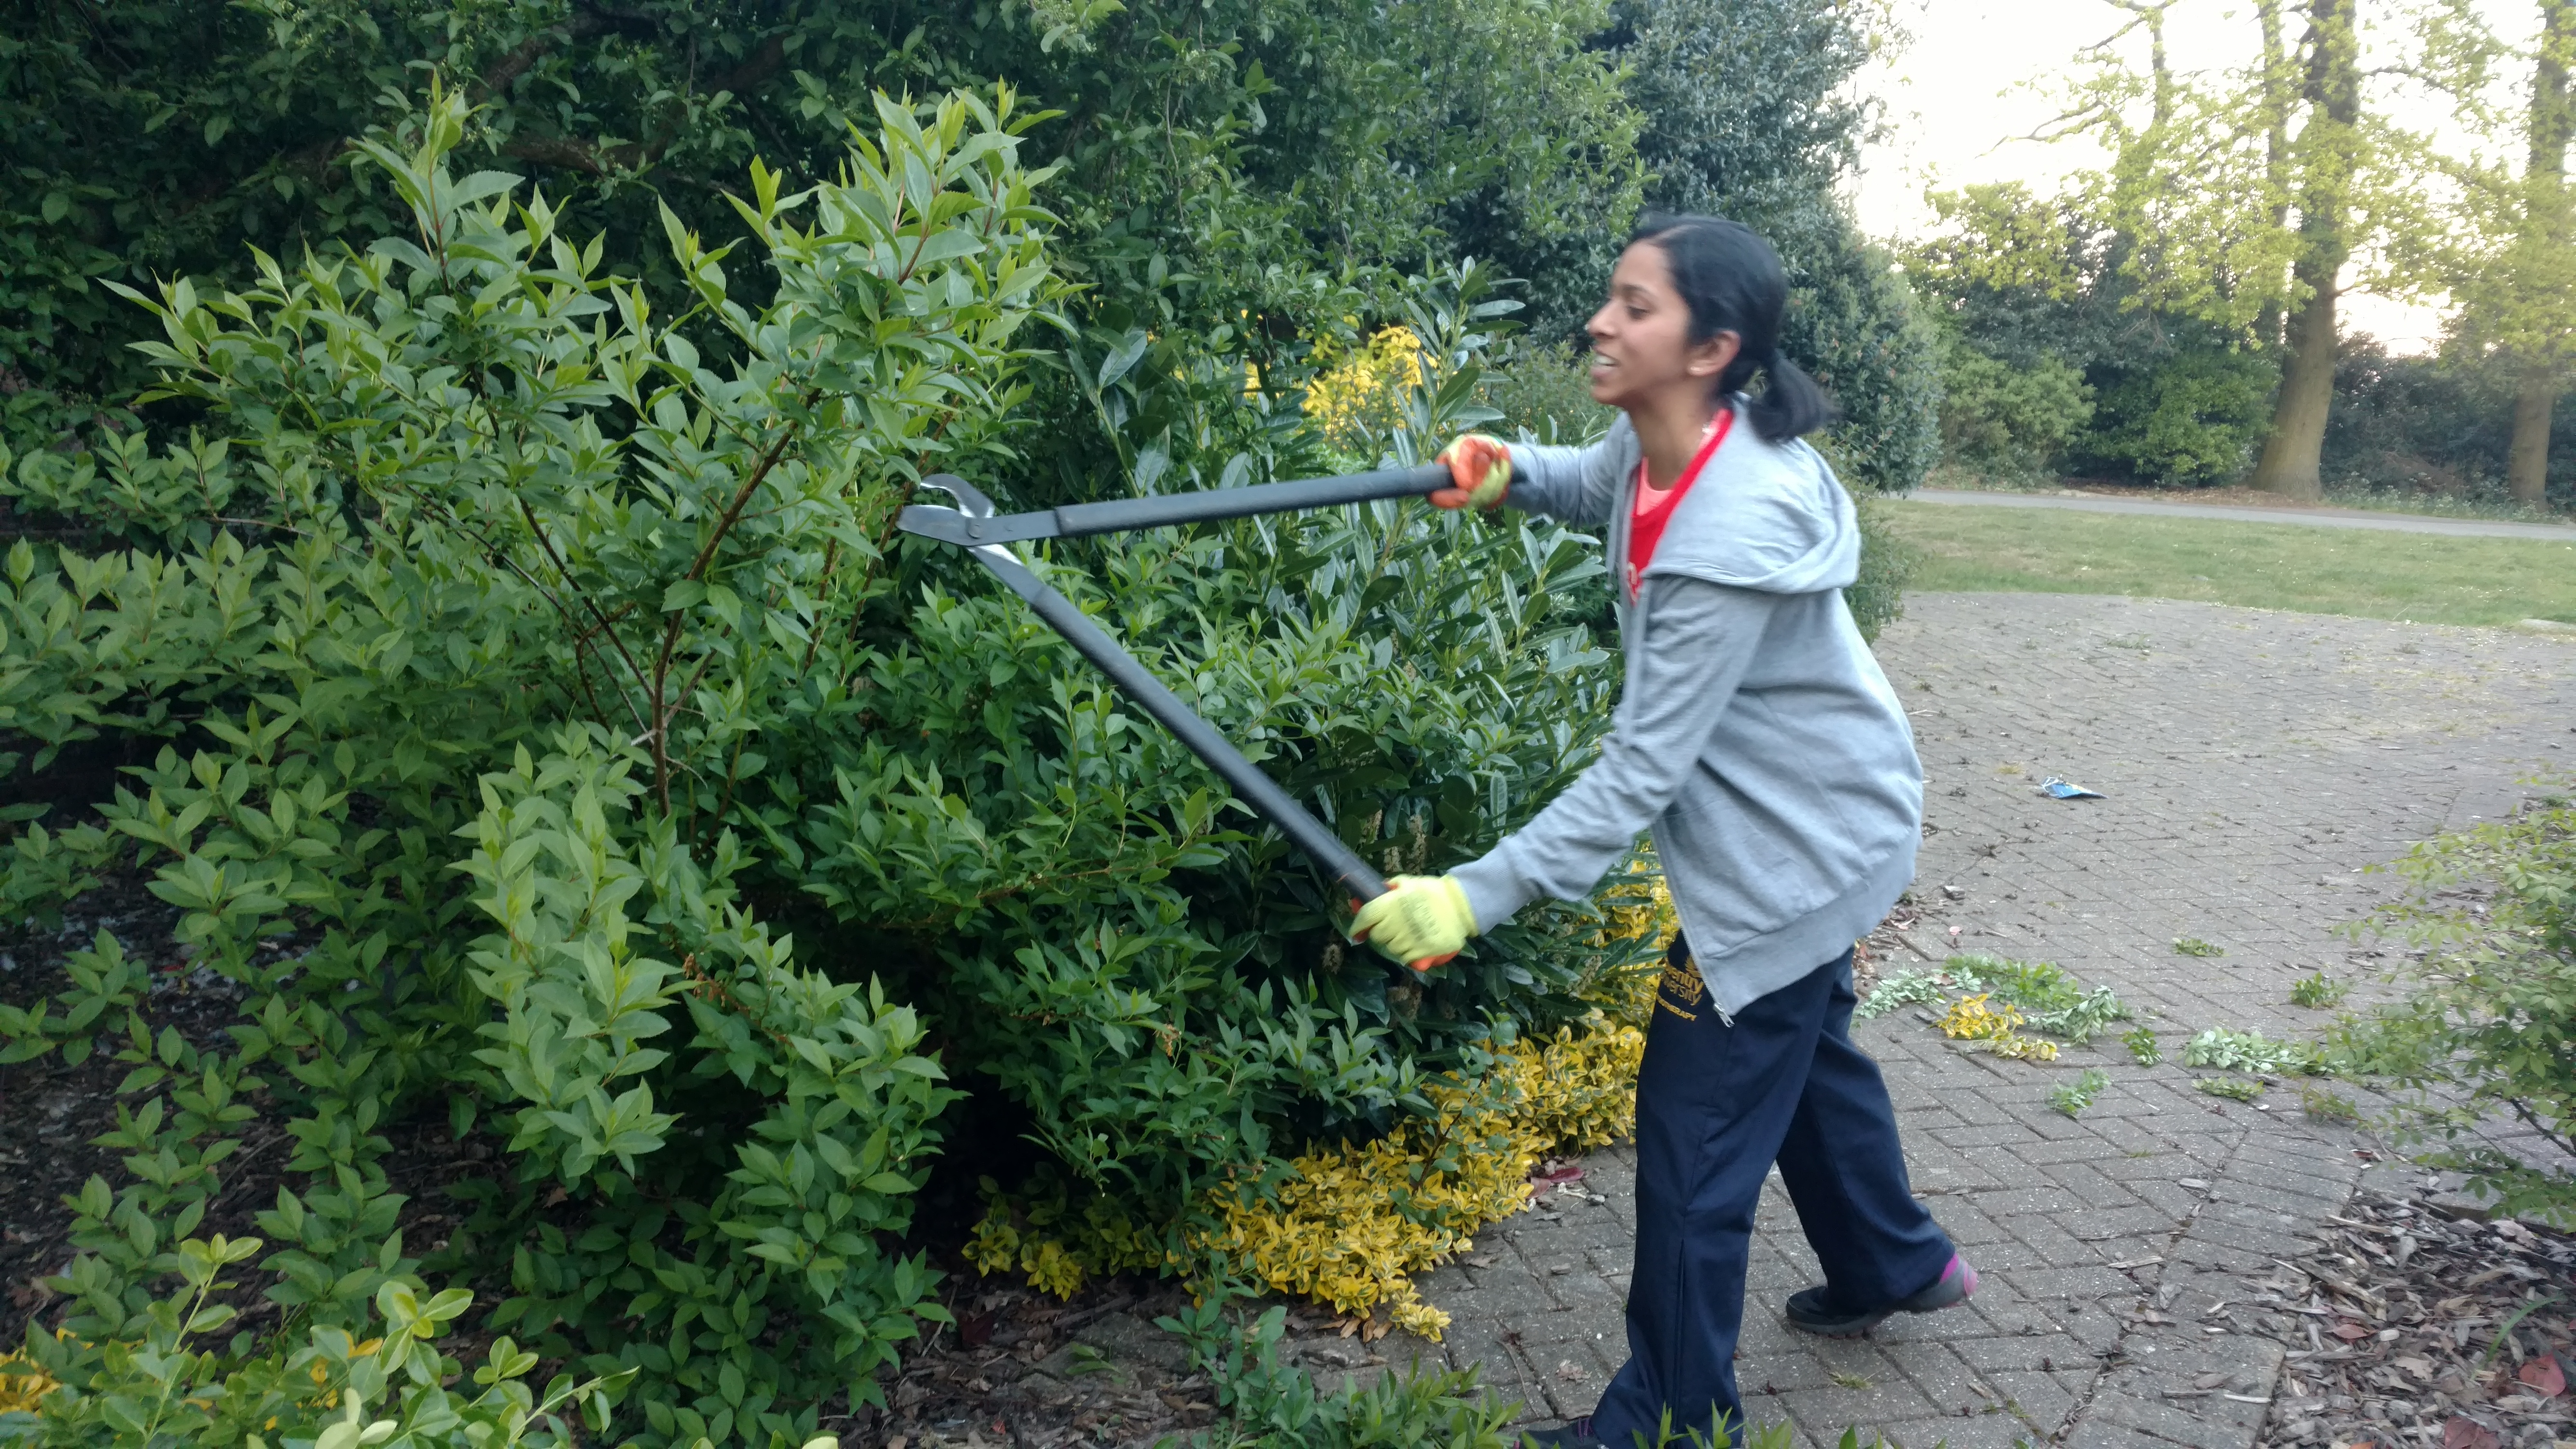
x=1654, y=506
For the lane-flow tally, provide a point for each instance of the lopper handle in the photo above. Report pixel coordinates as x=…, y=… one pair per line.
x=1165, y=510
x=1075, y=520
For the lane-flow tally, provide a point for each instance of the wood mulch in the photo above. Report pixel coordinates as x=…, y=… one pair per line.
x=2417, y=1321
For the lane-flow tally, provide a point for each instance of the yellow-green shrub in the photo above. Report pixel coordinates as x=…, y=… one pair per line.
x=1347, y=1224
x=21, y=1384
x=1354, y=1221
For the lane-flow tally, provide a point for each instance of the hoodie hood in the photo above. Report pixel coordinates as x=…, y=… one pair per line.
x=1767, y=516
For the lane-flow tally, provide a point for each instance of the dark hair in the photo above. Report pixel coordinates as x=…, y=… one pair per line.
x=1733, y=282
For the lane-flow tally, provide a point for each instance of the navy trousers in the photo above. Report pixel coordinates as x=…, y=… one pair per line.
x=1717, y=1103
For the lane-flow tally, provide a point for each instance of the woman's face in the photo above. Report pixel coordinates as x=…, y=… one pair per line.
x=1641, y=343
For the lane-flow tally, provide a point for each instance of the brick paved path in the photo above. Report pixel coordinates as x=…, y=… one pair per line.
x=2254, y=762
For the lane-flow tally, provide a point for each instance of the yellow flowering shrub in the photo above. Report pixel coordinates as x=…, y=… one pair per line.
x=1637, y=911
x=1348, y=1224
x=1354, y=1222
x=21, y=1384
x=1358, y=396
x=1058, y=1247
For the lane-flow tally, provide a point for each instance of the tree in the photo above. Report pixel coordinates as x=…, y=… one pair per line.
x=2511, y=259
x=2192, y=199
x=1220, y=159
x=2028, y=291
x=2238, y=197
x=1748, y=115
x=2326, y=157
x=2541, y=250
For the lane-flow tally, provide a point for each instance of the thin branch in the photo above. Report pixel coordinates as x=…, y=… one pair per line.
x=601, y=622
x=658, y=731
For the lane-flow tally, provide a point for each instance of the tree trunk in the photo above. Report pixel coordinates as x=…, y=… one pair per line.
x=2330, y=139
x=2544, y=221
x=2280, y=97
x=2298, y=437
x=2527, y=462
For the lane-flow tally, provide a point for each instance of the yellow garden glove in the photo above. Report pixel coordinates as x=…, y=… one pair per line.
x=1422, y=920
x=1481, y=467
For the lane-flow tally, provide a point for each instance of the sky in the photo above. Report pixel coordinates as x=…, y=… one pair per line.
x=1978, y=74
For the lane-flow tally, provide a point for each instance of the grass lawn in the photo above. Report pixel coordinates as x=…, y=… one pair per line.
x=2427, y=578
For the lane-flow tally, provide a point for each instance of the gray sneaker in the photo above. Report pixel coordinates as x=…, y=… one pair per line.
x=1815, y=1311
x=1572, y=1434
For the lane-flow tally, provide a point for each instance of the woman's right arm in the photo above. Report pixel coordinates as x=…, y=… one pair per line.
x=1576, y=485
x=1571, y=485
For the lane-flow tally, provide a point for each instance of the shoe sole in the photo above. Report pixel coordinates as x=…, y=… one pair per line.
x=1846, y=1328
x=1855, y=1327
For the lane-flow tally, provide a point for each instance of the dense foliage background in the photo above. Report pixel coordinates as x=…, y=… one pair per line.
x=474, y=611
x=2051, y=367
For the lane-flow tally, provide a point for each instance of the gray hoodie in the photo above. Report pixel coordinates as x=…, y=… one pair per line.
x=1755, y=736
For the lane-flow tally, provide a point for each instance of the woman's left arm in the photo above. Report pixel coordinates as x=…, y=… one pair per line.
x=1699, y=642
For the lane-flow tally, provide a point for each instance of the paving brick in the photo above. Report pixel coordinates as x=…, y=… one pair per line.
x=1996, y=1430
x=2043, y=1401
x=2096, y=1224
x=1830, y=1410
x=1781, y=1371
x=1571, y=1326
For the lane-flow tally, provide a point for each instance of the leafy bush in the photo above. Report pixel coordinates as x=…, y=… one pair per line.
x=2317, y=989
x=1877, y=598
x=2006, y=421
x=2193, y=418
x=1347, y=1223
x=449, y=560
x=516, y=651
x=2439, y=425
x=1277, y=1406
x=2485, y=1032
x=332, y=1391
x=1231, y=164
x=1854, y=320
x=1546, y=394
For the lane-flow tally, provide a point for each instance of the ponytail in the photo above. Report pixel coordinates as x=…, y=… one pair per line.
x=1732, y=281
x=1792, y=404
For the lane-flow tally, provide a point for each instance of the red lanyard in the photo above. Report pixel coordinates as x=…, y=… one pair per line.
x=1646, y=524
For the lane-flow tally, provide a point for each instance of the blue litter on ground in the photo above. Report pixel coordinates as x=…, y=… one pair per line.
x=2057, y=789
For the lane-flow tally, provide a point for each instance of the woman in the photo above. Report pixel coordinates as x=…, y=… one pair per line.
x=1758, y=740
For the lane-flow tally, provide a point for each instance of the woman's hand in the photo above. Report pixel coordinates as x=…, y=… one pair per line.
x=1422, y=920
x=1481, y=467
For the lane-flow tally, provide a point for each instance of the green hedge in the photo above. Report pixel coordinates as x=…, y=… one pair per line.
x=522, y=653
